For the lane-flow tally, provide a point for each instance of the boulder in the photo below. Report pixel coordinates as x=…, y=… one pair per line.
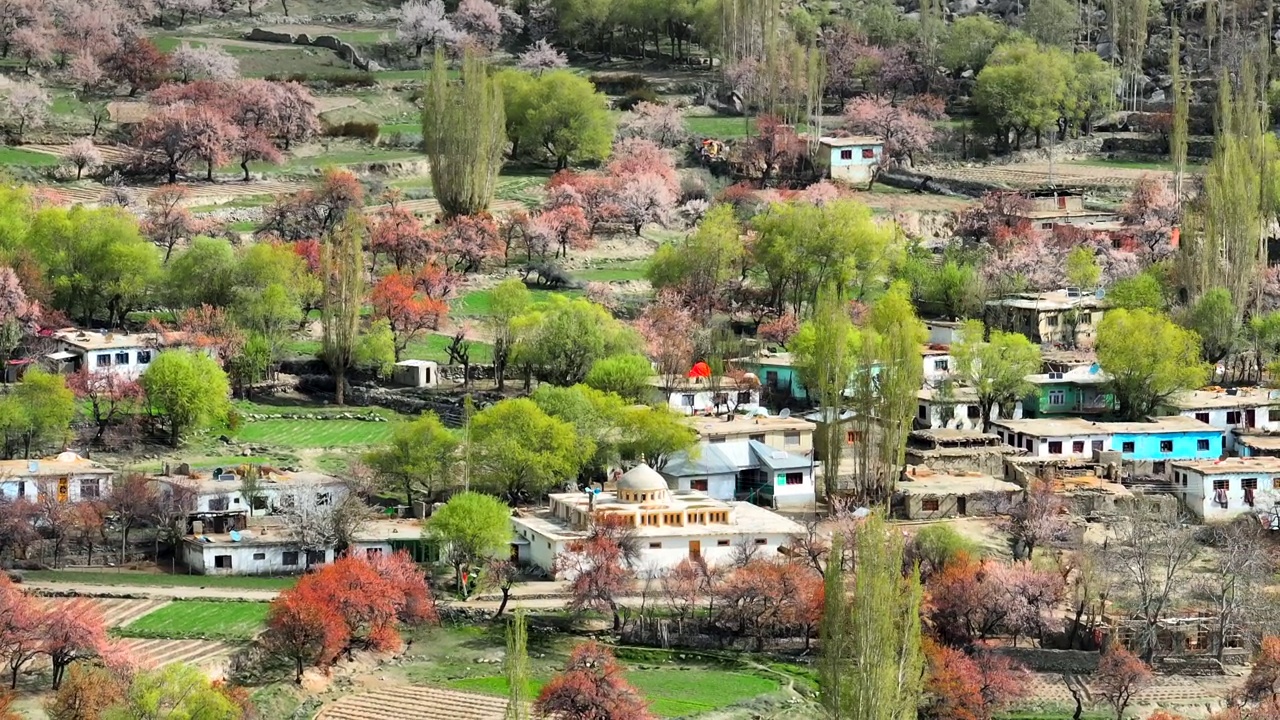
x=271, y=36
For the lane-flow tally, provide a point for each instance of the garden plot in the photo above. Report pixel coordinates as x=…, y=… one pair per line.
x=201, y=194
x=314, y=433
x=117, y=611
x=199, y=620
x=1037, y=174
x=157, y=653
x=407, y=702
x=110, y=153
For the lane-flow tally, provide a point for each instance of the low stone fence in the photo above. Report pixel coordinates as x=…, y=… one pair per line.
x=343, y=49
x=1046, y=660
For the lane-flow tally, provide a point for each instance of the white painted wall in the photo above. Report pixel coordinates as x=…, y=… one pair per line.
x=720, y=487
x=1197, y=492
x=692, y=402
x=202, y=558
x=956, y=415
x=272, y=492
x=1217, y=417
x=1040, y=445
x=937, y=368
x=29, y=488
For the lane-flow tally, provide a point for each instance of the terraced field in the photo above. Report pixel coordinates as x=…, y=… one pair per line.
x=199, y=620
x=206, y=654
x=314, y=433
x=201, y=194
x=406, y=702
x=116, y=611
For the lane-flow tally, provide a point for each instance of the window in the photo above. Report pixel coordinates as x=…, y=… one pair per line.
x=922, y=412
x=1203, y=417
x=762, y=541
x=1052, y=321
x=144, y=357
x=846, y=154
x=1249, y=483
x=1157, y=467
x=373, y=552
x=868, y=154
x=973, y=412
x=942, y=365
x=222, y=561
x=686, y=400
x=700, y=484
x=771, y=378
x=791, y=438
x=1077, y=447
x=122, y=358
x=1046, y=226
x=1055, y=447
x=655, y=546
x=722, y=543
x=852, y=437
x=315, y=557
x=795, y=478
x=744, y=397
x=259, y=502
x=1221, y=484
x=758, y=437
x=324, y=499
x=218, y=504
x=1030, y=444
x=104, y=360
x=1166, y=446
x=22, y=488
x=259, y=556
x=1273, y=414
x=717, y=438
x=1057, y=397
x=1097, y=446
x=1275, y=483
x=1233, y=417
x=1202, y=444
x=1126, y=446
x=89, y=489
x=929, y=505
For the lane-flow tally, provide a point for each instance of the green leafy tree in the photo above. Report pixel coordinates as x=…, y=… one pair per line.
x=1091, y=90
x=515, y=666
x=1141, y=291
x=250, y=364
x=1181, y=109
x=1214, y=318
x=475, y=527
x=896, y=335
x=564, y=338
x=41, y=410
x=969, y=42
x=463, y=131
x=626, y=375
x=654, y=434
x=1082, y=268
x=1022, y=89
x=376, y=349
x=177, y=691
x=996, y=368
x=594, y=415
x=270, y=314
x=703, y=263
x=836, y=634
x=558, y=114
x=1263, y=333
x=420, y=459
x=507, y=301
x=342, y=266
x=953, y=288
x=826, y=349
x=188, y=388
x=1053, y=23
x=1149, y=358
x=203, y=274
x=519, y=451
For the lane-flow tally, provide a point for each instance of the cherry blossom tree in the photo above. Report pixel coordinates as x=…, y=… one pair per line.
x=480, y=21
x=669, y=330
x=599, y=566
x=34, y=44
x=109, y=395
x=85, y=72
x=82, y=154
x=779, y=330
x=20, y=620
x=163, y=134
x=960, y=687
x=137, y=64
x=1000, y=219
x=26, y=107
x=469, y=241
x=72, y=631
x=423, y=25
x=774, y=150
x=658, y=122
x=591, y=687
x=542, y=56
x=397, y=235
x=1039, y=516
x=1150, y=214
x=641, y=156
x=167, y=220
x=591, y=193
x=905, y=132
x=643, y=199
x=204, y=63
x=564, y=226
x=1120, y=676
x=251, y=145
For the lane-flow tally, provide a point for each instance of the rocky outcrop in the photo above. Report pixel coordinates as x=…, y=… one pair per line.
x=344, y=50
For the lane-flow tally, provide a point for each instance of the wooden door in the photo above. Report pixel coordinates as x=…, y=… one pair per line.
x=695, y=549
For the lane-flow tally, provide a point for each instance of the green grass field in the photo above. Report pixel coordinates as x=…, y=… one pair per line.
x=674, y=692
x=26, y=158
x=124, y=577
x=479, y=302
x=614, y=272
x=720, y=126
x=314, y=433
x=197, y=619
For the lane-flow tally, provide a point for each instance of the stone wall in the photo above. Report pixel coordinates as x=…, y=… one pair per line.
x=343, y=49
x=1154, y=146
x=911, y=180
x=1077, y=662
x=985, y=460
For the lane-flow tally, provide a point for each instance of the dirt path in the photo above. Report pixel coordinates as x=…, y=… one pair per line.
x=149, y=591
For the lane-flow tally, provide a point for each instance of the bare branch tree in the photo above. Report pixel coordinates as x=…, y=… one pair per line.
x=1152, y=555
x=1233, y=585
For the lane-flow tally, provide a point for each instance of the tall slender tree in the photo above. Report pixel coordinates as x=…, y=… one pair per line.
x=342, y=267
x=1181, y=110
x=827, y=347
x=835, y=632
x=517, y=668
x=464, y=131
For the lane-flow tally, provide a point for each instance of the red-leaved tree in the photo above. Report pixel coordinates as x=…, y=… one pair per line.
x=72, y=631
x=411, y=305
x=599, y=567
x=960, y=687
x=1120, y=676
x=591, y=687
x=20, y=637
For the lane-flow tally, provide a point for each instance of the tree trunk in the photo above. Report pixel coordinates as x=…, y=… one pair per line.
x=340, y=382
x=209, y=171
x=244, y=165
x=502, y=606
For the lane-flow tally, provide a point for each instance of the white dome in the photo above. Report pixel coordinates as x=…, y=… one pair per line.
x=641, y=478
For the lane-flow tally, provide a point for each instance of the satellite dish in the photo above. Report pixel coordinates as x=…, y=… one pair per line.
x=1094, y=368
x=235, y=536
x=786, y=413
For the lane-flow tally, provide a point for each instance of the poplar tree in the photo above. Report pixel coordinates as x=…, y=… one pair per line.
x=517, y=668
x=834, y=634
x=826, y=348
x=342, y=268
x=1181, y=111
x=464, y=132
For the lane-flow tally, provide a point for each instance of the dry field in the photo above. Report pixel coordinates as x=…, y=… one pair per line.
x=1036, y=174
x=414, y=703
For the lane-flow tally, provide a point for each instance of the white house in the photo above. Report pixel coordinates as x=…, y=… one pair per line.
x=956, y=408
x=249, y=552
x=1237, y=411
x=745, y=470
x=692, y=396
x=71, y=477
x=1227, y=488
x=937, y=363
x=943, y=332
x=123, y=353
x=671, y=526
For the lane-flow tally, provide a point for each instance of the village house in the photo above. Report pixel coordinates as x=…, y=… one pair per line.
x=1252, y=444
x=123, y=353
x=1066, y=317
x=936, y=363
x=779, y=378
x=1227, y=488
x=267, y=549
x=1051, y=208
x=670, y=525
x=958, y=451
x=68, y=476
x=1236, y=410
x=926, y=494
x=694, y=395
x=1142, y=447
x=1080, y=391
x=954, y=407
x=852, y=159
x=765, y=460
x=943, y=332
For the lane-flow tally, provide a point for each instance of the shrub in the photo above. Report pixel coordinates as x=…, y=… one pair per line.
x=336, y=80
x=635, y=97
x=367, y=131
x=620, y=84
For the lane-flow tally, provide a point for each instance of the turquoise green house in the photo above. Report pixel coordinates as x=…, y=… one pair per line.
x=779, y=378
x=1082, y=391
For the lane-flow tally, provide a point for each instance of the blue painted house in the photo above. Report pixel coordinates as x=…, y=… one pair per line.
x=1144, y=447
x=779, y=378
x=852, y=159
